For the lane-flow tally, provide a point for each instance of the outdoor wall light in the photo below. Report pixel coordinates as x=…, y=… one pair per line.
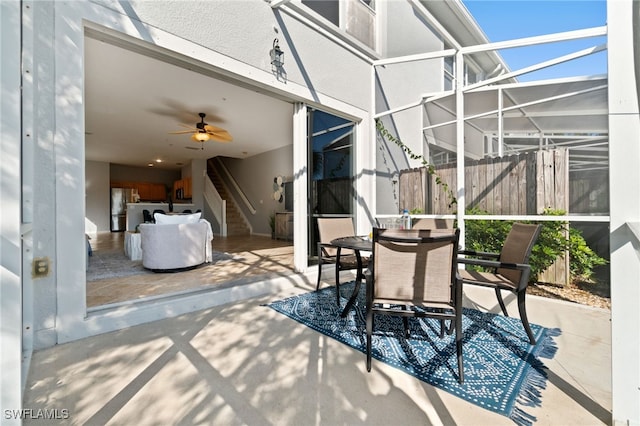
x=277, y=55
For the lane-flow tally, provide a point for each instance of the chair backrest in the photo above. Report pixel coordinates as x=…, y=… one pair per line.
x=432, y=223
x=414, y=266
x=517, y=248
x=332, y=228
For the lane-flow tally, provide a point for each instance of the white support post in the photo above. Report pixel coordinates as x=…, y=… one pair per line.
x=300, y=178
x=623, y=18
x=460, y=143
x=500, y=124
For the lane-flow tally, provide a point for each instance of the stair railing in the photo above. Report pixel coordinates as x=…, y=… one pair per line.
x=217, y=205
x=236, y=187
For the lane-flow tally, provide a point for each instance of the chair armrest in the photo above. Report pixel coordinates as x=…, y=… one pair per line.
x=494, y=264
x=479, y=254
x=322, y=252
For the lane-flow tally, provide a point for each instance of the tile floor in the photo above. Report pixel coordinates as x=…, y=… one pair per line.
x=253, y=256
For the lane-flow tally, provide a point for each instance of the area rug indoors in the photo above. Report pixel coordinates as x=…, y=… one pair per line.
x=115, y=264
x=503, y=373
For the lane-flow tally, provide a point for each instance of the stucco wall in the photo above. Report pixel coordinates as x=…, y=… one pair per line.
x=398, y=85
x=233, y=37
x=97, y=199
x=50, y=185
x=245, y=29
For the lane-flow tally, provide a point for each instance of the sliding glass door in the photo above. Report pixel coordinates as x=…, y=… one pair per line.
x=330, y=164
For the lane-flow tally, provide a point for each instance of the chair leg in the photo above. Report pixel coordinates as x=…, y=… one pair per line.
x=501, y=302
x=523, y=316
x=458, y=327
x=337, y=284
x=369, y=327
x=319, y=272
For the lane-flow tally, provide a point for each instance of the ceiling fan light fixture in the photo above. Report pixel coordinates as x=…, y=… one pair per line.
x=201, y=136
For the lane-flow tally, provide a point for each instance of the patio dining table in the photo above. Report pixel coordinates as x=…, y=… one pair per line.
x=357, y=244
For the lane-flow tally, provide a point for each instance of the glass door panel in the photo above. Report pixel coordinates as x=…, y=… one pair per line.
x=330, y=162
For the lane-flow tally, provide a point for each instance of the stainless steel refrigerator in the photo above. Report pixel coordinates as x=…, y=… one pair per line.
x=119, y=199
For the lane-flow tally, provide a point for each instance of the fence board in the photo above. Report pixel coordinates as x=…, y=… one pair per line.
x=532, y=183
x=482, y=185
x=490, y=181
x=525, y=184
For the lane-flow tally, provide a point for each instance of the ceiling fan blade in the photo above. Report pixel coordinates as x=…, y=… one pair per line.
x=189, y=126
x=209, y=128
x=218, y=134
x=221, y=137
x=182, y=132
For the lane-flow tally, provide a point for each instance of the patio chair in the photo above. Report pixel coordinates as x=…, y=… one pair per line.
x=330, y=229
x=432, y=223
x=413, y=274
x=510, y=269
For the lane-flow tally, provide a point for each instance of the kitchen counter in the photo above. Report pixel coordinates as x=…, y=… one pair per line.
x=134, y=211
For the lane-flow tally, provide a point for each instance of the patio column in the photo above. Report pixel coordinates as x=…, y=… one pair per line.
x=300, y=189
x=624, y=181
x=460, y=144
x=11, y=309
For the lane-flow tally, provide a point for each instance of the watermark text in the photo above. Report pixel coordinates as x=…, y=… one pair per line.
x=37, y=414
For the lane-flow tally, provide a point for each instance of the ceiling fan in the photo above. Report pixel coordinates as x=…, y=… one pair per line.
x=203, y=132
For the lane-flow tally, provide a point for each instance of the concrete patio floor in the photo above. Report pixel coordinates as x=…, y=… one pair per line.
x=245, y=364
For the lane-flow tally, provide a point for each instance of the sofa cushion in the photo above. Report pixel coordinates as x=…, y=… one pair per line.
x=166, y=219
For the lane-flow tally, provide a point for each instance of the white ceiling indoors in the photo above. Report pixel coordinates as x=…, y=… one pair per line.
x=133, y=101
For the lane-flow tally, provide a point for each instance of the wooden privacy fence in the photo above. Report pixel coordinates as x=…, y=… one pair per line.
x=524, y=184
x=513, y=185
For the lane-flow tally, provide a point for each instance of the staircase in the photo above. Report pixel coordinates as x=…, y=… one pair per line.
x=235, y=222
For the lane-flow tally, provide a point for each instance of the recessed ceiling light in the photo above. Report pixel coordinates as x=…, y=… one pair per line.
x=158, y=160
x=150, y=164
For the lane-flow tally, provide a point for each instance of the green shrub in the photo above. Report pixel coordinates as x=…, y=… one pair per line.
x=488, y=236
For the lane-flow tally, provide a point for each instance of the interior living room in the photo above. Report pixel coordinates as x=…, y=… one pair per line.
x=139, y=142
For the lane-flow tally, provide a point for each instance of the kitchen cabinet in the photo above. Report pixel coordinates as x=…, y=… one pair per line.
x=144, y=191
x=284, y=226
x=182, y=189
x=158, y=192
x=147, y=191
x=152, y=191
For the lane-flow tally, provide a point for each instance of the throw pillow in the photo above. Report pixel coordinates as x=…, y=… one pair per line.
x=176, y=218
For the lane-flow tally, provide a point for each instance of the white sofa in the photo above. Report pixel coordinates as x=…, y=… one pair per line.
x=167, y=246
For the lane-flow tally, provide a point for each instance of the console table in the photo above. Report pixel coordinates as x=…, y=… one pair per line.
x=284, y=226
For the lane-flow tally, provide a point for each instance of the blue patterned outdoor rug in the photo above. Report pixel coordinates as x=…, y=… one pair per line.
x=503, y=373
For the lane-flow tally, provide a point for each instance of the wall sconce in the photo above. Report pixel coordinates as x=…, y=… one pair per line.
x=277, y=55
